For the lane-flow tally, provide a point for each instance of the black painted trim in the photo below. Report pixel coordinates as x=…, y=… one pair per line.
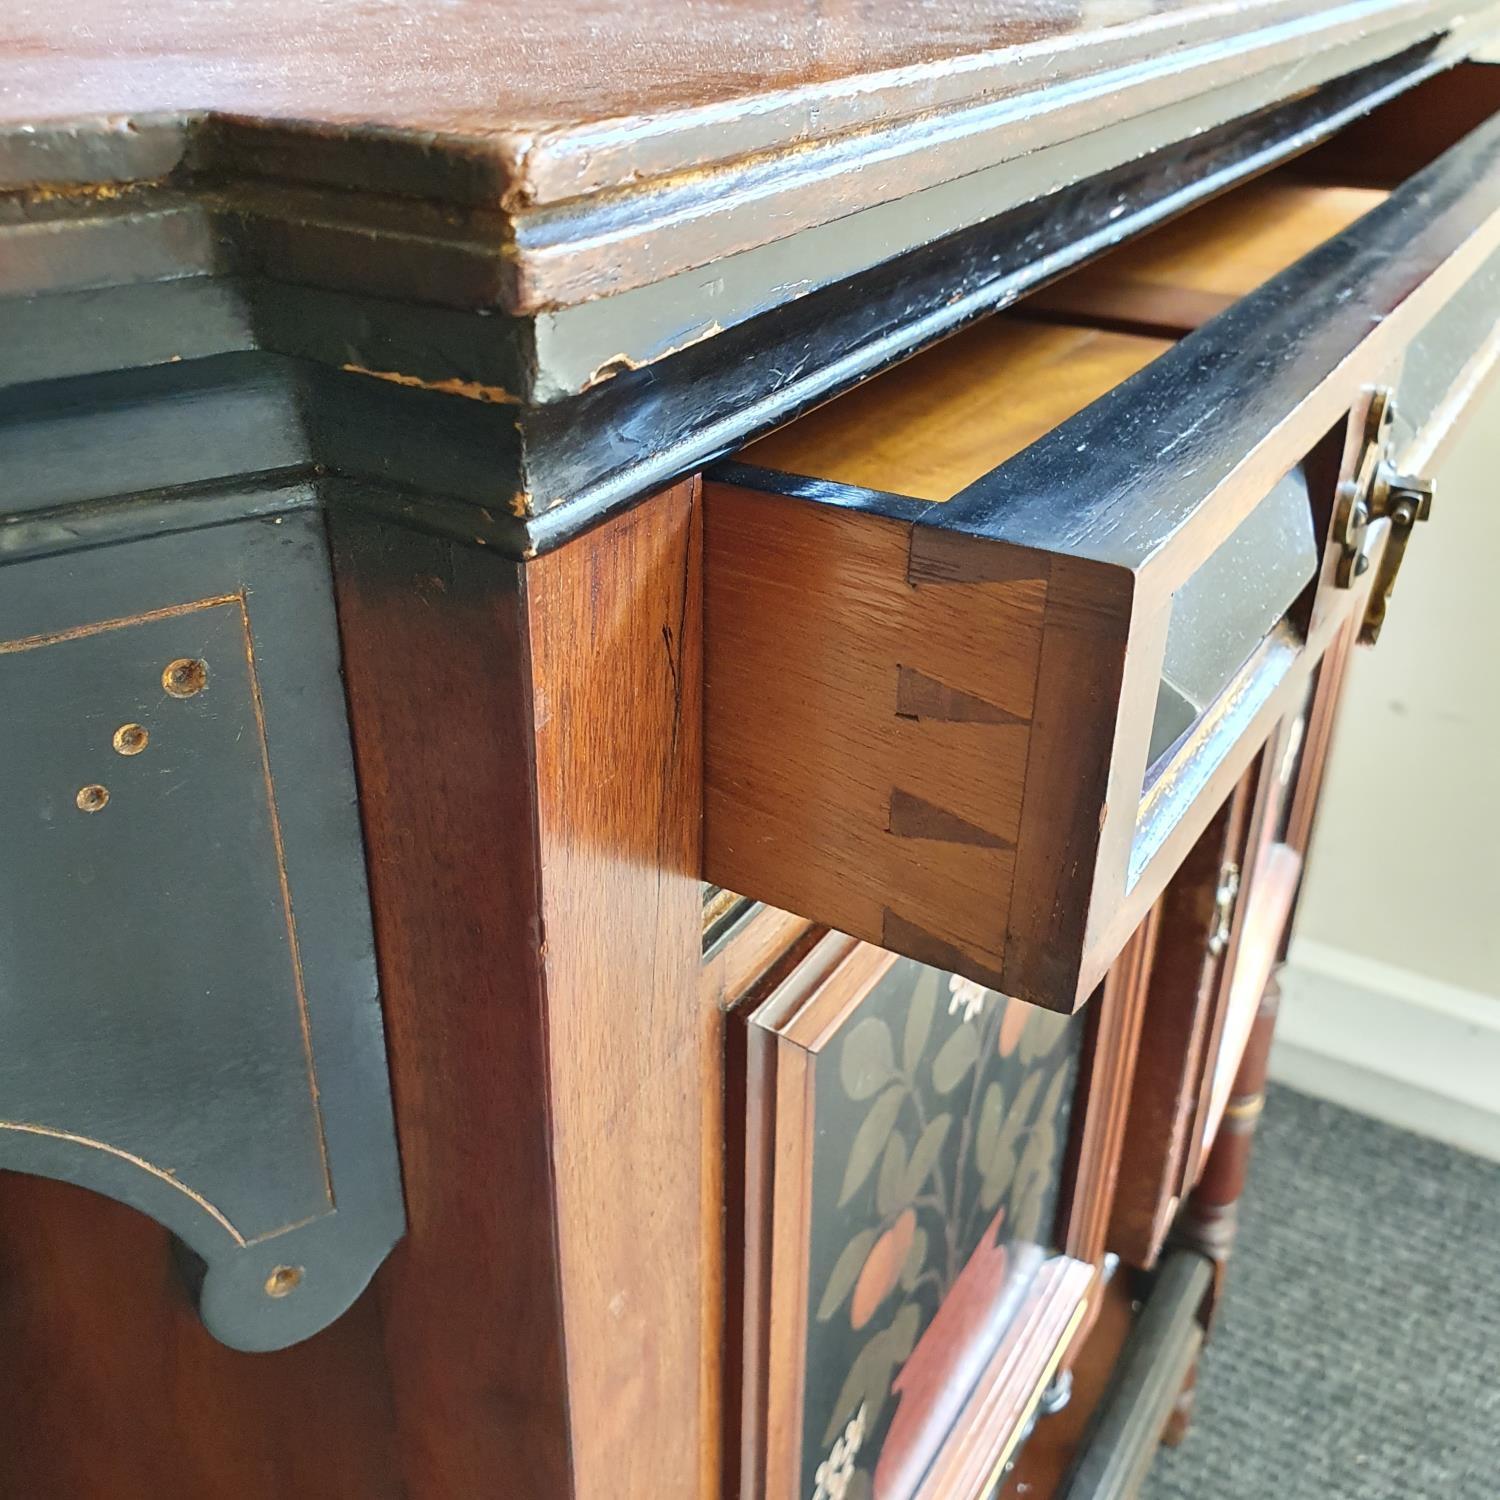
x=525, y=478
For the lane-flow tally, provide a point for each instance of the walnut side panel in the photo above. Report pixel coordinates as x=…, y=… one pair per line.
x=438, y=685
x=633, y=1046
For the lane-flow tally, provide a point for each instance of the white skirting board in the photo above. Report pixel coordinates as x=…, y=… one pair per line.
x=1399, y=1046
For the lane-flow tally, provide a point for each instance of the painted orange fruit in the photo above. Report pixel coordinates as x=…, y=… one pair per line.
x=1017, y=1013
x=882, y=1269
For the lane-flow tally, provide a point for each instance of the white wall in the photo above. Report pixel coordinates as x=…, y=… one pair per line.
x=1394, y=980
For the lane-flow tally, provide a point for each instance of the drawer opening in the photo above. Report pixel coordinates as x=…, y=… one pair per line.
x=1177, y=277
x=933, y=425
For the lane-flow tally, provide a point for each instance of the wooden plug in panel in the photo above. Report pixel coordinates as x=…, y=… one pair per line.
x=1173, y=279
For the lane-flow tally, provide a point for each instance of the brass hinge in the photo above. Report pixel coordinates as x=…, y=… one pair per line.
x=1224, y=902
x=1377, y=492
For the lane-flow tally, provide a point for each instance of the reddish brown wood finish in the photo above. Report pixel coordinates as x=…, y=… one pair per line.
x=1050, y=1450
x=635, y=1056
x=1166, y=1099
x=485, y=70
x=528, y=742
x=1106, y=1070
x=1209, y=1222
x=116, y=1388
x=1415, y=128
x=438, y=687
x=1108, y=1065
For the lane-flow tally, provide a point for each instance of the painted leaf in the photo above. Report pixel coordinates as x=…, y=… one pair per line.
x=870, y=1139
x=868, y=1380
x=916, y=1260
x=999, y=1163
x=990, y=1112
x=919, y=1020
x=1028, y=1212
x=890, y=1187
x=924, y=1158
x=1012, y=1122
x=999, y=1173
x=1020, y=1111
x=868, y=1059
x=1034, y=1173
x=905, y=1327
x=845, y=1272
x=1052, y=1100
x=955, y=1057
x=1043, y=1031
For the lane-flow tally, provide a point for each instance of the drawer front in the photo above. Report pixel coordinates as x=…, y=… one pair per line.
x=972, y=631
x=904, y=1148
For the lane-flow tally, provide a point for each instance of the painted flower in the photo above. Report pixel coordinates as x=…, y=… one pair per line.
x=964, y=995
x=837, y=1470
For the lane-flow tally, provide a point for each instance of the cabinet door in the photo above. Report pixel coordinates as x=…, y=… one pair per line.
x=905, y=1296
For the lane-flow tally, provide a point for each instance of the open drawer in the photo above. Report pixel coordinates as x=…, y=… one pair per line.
x=990, y=637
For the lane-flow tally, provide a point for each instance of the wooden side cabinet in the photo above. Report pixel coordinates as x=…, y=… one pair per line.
x=664, y=674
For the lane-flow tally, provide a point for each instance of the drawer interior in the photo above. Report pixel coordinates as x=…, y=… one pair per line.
x=1177, y=277
x=935, y=424
x=939, y=422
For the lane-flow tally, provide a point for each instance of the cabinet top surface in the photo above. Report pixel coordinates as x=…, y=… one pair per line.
x=508, y=79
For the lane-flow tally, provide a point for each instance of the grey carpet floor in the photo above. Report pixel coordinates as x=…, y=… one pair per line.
x=1357, y=1353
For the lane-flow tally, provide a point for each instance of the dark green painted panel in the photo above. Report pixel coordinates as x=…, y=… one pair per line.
x=187, y=983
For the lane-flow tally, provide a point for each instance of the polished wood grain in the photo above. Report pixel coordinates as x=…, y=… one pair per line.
x=989, y=1429
x=473, y=68
x=495, y=75
x=1108, y=1064
x=940, y=420
x=438, y=687
x=762, y=939
x=1381, y=150
x=1211, y=1216
x=115, y=1386
x=1173, y=279
x=1263, y=925
x=634, y=1053
x=555, y=1068
x=943, y=768
x=1165, y=1111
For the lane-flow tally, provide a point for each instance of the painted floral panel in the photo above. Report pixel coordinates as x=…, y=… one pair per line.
x=941, y=1115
